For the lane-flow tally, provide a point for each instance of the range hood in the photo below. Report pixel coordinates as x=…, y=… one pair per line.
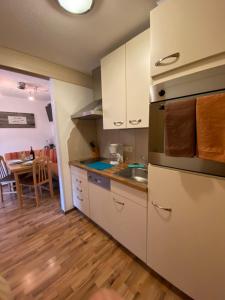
x=89, y=112
x=94, y=109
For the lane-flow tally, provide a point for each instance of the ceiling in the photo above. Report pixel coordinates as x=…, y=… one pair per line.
x=43, y=29
x=9, y=81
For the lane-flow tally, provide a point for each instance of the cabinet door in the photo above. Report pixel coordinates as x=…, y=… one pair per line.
x=193, y=29
x=138, y=80
x=114, y=89
x=100, y=206
x=129, y=224
x=186, y=246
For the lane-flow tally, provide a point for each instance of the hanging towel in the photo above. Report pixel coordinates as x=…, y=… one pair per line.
x=210, y=112
x=180, y=128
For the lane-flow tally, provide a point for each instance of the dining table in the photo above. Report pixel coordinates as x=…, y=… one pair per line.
x=18, y=168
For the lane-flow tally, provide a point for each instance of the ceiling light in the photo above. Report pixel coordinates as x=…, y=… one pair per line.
x=31, y=94
x=77, y=6
x=31, y=98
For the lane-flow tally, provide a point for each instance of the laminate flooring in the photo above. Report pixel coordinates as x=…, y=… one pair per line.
x=45, y=254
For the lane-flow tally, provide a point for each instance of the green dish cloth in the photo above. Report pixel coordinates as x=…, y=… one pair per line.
x=99, y=165
x=136, y=165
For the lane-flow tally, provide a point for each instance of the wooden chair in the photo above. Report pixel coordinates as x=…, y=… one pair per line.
x=6, y=179
x=41, y=176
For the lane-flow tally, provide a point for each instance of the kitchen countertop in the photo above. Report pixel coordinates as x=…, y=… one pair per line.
x=110, y=173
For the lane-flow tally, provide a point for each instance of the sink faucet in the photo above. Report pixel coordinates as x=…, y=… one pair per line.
x=144, y=160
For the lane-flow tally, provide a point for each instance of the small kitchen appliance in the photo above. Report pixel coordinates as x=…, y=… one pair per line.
x=116, y=153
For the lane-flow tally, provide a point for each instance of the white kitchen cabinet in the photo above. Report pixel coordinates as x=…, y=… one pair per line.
x=192, y=29
x=186, y=246
x=125, y=77
x=138, y=80
x=129, y=219
x=100, y=208
x=80, y=190
x=113, y=76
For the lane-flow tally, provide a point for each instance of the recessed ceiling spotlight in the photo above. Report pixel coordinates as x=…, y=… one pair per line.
x=78, y=7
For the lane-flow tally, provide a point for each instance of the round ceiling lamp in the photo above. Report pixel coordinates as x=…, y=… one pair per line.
x=78, y=7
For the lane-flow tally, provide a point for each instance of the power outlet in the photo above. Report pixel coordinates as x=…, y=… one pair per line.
x=128, y=149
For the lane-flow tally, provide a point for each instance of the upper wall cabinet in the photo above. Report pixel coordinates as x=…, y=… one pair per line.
x=125, y=84
x=113, y=72
x=138, y=80
x=183, y=32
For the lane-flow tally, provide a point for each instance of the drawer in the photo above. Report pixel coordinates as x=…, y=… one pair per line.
x=129, y=193
x=81, y=202
x=78, y=172
x=81, y=189
x=78, y=181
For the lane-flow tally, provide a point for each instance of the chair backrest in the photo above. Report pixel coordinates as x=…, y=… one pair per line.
x=3, y=168
x=41, y=170
x=51, y=153
x=16, y=155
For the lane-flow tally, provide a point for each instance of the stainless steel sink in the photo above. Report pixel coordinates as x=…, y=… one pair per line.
x=137, y=174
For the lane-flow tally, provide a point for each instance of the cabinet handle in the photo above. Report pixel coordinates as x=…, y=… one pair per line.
x=118, y=202
x=118, y=123
x=160, y=207
x=79, y=190
x=135, y=122
x=162, y=62
x=80, y=199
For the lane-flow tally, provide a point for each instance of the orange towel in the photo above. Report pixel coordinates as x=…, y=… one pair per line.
x=210, y=113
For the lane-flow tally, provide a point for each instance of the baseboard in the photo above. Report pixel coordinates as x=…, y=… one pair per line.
x=69, y=211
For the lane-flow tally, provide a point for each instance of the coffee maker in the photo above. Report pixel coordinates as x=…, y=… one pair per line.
x=116, y=153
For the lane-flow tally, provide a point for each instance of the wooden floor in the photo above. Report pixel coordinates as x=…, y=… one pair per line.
x=45, y=254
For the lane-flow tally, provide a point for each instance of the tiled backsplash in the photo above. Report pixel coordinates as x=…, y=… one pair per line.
x=136, y=138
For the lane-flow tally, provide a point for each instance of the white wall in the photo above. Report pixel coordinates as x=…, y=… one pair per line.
x=19, y=139
x=67, y=99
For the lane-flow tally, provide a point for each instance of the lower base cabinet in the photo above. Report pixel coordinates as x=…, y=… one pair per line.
x=129, y=224
x=121, y=211
x=186, y=245
x=129, y=218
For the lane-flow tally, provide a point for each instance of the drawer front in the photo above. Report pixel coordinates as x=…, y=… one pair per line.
x=81, y=189
x=79, y=185
x=129, y=193
x=129, y=225
x=78, y=172
x=81, y=202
